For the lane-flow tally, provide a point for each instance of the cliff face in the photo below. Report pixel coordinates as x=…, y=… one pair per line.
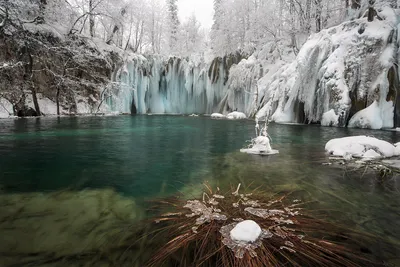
x=43, y=72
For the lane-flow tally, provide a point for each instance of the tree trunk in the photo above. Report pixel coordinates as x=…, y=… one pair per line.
x=371, y=10
x=58, y=101
x=115, y=29
x=318, y=15
x=91, y=19
x=35, y=100
x=355, y=4
x=308, y=16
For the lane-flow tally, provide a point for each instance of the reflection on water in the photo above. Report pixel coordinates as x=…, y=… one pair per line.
x=145, y=157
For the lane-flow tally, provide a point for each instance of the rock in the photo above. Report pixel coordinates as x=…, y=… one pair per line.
x=27, y=112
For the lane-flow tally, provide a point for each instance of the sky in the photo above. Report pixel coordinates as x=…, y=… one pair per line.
x=202, y=8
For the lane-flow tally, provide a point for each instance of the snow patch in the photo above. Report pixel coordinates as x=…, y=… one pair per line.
x=353, y=58
x=47, y=107
x=361, y=147
x=218, y=116
x=260, y=146
x=6, y=108
x=330, y=118
x=236, y=116
x=246, y=231
x=374, y=117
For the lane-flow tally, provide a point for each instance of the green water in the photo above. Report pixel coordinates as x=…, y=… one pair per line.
x=145, y=157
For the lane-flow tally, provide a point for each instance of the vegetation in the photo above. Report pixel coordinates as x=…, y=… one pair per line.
x=198, y=233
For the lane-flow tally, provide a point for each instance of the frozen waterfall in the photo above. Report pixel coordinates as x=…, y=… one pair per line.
x=173, y=86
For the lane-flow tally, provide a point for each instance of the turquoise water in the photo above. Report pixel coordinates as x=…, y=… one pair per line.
x=145, y=157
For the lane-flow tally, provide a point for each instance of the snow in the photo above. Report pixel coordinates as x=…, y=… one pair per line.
x=218, y=116
x=260, y=146
x=374, y=116
x=361, y=147
x=372, y=154
x=236, y=116
x=332, y=65
x=6, y=108
x=246, y=231
x=330, y=118
x=47, y=107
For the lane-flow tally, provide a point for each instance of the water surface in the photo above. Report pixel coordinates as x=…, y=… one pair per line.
x=145, y=157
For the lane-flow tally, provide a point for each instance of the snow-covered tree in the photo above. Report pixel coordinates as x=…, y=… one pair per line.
x=244, y=24
x=191, y=39
x=173, y=23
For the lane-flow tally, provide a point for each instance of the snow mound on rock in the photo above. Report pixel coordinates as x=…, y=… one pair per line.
x=374, y=116
x=236, y=116
x=330, y=118
x=260, y=146
x=6, y=108
x=246, y=231
x=361, y=147
x=218, y=116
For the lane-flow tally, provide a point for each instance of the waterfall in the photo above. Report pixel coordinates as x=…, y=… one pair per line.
x=158, y=85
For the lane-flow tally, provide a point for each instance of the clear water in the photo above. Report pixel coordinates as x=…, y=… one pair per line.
x=145, y=157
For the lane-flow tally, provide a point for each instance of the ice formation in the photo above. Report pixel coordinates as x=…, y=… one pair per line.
x=361, y=147
x=160, y=85
x=338, y=72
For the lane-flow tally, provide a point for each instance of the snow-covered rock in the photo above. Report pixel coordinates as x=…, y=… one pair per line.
x=330, y=118
x=47, y=107
x=236, y=116
x=337, y=72
x=218, y=116
x=374, y=116
x=246, y=231
x=361, y=147
x=6, y=108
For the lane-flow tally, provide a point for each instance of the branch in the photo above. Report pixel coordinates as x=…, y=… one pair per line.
x=3, y=23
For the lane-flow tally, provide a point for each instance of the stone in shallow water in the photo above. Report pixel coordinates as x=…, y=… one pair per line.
x=247, y=231
x=260, y=146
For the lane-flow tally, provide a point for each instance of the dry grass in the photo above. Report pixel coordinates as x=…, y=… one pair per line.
x=195, y=239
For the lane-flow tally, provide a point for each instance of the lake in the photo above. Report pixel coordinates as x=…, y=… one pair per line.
x=147, y=157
